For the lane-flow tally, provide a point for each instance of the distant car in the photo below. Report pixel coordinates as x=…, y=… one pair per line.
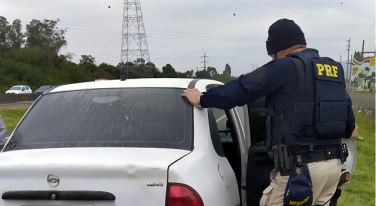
x=19, y=89
x=43, y=88
x=137, y=142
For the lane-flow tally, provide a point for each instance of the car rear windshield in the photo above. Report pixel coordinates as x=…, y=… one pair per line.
x=131, y=117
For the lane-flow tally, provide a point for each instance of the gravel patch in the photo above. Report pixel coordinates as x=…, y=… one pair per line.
x=364, y=110
x=16, y=105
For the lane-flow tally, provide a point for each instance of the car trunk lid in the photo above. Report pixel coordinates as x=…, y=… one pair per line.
x=92, y=176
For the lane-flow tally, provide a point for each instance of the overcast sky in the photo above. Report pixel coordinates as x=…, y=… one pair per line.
x=180, y=32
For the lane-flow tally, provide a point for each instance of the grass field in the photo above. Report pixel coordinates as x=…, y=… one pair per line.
x=11, y=117
x=361, y=191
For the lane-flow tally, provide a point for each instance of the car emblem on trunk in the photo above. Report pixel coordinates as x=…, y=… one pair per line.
x=53, y=180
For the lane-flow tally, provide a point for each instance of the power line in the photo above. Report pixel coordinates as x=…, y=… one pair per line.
x=369, y=30
x=159, y=33
x=156, y=31
x=211, y=8
x=77, y=2
x=203, y=36
x=294, y=11
x=366, y=34
x=356, y=14
x=90, y=45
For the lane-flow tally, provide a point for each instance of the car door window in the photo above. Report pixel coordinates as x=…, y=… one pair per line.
x=222, y=124
x=258, y=114
x=215, y=137
x=23, y=88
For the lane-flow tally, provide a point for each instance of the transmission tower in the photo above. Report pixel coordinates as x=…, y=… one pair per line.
x=204, y=61
x=133, y=45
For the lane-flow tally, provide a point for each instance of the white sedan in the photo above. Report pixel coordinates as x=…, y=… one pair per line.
x=19, y=89
x=135, y=142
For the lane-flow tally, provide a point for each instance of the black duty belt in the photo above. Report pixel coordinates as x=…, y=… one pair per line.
x=325, y=154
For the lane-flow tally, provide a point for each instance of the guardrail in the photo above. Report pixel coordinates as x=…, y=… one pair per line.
x=13, y=98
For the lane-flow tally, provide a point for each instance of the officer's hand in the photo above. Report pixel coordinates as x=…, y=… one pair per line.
x=192, y=96
x=355, y=132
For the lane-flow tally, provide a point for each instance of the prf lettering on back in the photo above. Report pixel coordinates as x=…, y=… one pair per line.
x=327, y=70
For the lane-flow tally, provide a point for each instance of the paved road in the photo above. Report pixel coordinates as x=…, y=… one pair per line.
x=363, y=99
x=8, y=133
x=16, y=105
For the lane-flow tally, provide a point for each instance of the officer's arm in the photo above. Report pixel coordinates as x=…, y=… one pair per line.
x=350, y=123
x=247, y=88
x=226, y=96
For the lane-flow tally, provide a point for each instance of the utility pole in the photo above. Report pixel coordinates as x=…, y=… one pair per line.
x=348, y=63
x=204, y=61
x=363, y=52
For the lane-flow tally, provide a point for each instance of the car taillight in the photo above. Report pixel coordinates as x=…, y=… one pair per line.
x=182, y=195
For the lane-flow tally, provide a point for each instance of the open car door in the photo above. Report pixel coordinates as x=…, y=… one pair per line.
x=260, y=164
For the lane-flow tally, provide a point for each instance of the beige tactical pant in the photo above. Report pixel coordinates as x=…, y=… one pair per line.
x=324, y=175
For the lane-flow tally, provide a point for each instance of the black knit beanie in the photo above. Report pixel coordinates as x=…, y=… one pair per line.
x=283, y=34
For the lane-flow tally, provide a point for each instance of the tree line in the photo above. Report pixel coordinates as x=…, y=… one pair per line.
x=32, y=58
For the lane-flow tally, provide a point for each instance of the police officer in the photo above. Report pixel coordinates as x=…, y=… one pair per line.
x=309, y=108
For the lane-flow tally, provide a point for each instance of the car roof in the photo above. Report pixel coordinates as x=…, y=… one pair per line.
x=20, y=86
x=46, y=86
x=129, y=83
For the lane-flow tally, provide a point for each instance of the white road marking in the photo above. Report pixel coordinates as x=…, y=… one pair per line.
x=219, y=119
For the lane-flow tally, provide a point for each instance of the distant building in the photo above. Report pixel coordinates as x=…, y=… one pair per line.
x=362, y=74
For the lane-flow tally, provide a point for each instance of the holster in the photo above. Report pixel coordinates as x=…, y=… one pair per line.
x=283, y=159
x=344, y=153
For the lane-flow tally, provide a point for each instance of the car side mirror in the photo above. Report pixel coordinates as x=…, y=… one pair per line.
x=23, y=89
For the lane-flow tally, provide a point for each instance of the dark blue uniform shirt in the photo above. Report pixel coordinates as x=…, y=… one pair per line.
x=277, y=80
